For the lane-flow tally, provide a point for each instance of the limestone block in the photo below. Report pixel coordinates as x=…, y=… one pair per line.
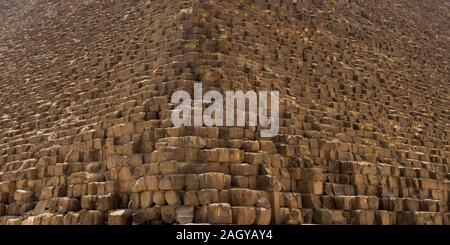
x=253, y=158
x=4, y=197
x=159, y=198
x=57, y=219
x=242, y=197
x=23, y=196
x=66, y=204
x=310, y=187
x=208, y=196
x=168, y=213
x=192, y=182
x=209, y=155
x=125, y=174
x=263, y=216
x=219, y=213
x=184, y=214
x=134, y=201
x=212, y=180
x=139, y=185
x=243, y=215
x=151, y=182
x=294, y=217
x=323, y=216
x=142, y=215
x=239, y=181
x=251, y=146
x=382, y=217
x=91, y=217
x=106, y=202
x=192, y=142
x=243, y=169
x=119, y=217
x=172, y=182
x=146, y=199
x=2, y=209
x=173, y=197
x=267, y=145
x=223, y=155
x=312, y=174
x=235, y=155
x=88, y=202
x=190, y=198
x=311, y=201
x=360, y=202
x=344, y=202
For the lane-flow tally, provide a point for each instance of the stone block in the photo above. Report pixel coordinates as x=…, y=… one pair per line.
x=23, y=196
x=242, y=197
x=91, y=217
x=140, y=216
x=263, y=216
x=243, y=215
x=146, y=199
x=88, y=202
x=208, y=196
x=172, y=182
x=173, y=197
x=119, y=217
x=106, y=202
x=66, y=204
x=310, y=187
x=184, y=214
x=294, y=217
x=220, y=213
x=212, y=180
x=168, y=213
x=192, y=182
x=190, y=198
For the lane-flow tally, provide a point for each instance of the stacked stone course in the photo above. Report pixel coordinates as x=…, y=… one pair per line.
x=86, y=136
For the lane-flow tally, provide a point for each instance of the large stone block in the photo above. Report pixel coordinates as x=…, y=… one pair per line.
x=140, y=216
x=91, y=217
x=172, y=182
x=213, y=180
x=208, y=196
x=243, y=215
x=23, y=196
x=243, y=197
x=88, y=202
x=220, y=213
x=310, y=187
x=66, y=204
x=106, y=202
x=184, y=214
x=168, y=213
x=119, y=217
x=263, y=216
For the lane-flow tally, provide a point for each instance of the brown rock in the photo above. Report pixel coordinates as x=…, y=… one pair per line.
x=220, y=213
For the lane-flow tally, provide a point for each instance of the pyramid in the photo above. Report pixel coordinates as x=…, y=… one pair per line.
x=86, y=135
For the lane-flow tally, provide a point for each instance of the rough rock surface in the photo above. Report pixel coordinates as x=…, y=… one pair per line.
x=85, y=136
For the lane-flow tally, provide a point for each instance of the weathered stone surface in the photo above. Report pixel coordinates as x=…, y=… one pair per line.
x=212, y=180
x=243, y=215
x=220, y=213
x=140, y=216
x=86, y=135
x=119, y=217
x=91, y=217
x=263, y=216
x=168, y=213
x=184, y=214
